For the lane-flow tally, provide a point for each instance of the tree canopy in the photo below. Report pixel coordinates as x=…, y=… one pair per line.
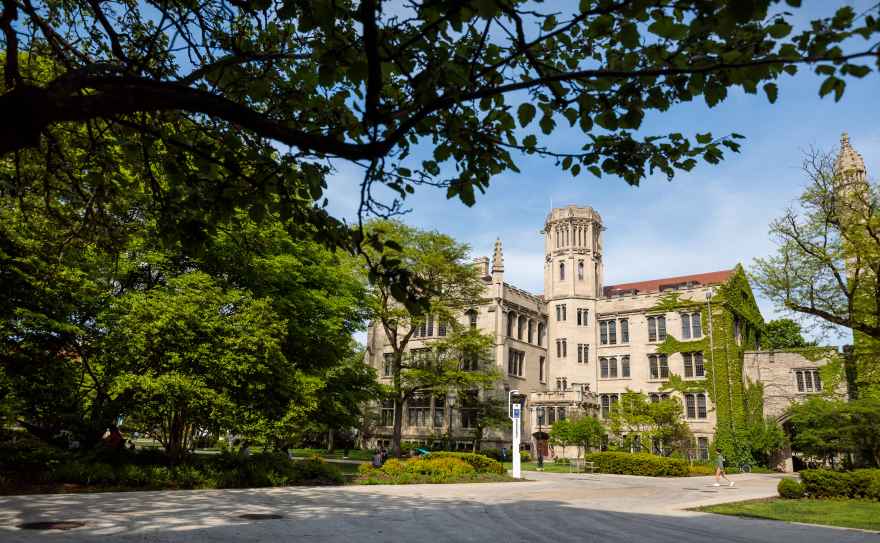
x=443, y=93
x=782, y=334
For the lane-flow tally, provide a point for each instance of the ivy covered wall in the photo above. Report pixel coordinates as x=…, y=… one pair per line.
x=735, y=328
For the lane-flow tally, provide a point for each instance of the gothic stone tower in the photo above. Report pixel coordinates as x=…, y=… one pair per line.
x=572, y=284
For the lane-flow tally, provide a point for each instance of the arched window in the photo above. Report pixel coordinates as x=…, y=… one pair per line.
x=580, y=270
x=472, y=318
x=562, y=271
x=511, y=317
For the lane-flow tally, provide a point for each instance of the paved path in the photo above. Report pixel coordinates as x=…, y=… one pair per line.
x=550, y=507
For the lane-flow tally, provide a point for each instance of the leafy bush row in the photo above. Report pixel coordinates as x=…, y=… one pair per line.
x=860, y=483
x=638, y=464
x=430, y=469
x=222, y=471
x=480, y=463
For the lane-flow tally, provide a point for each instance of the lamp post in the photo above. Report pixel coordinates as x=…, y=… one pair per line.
x=515, y=415
x=451, y=404
x=709, y=294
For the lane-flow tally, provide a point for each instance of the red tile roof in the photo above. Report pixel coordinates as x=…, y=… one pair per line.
x=654, y=285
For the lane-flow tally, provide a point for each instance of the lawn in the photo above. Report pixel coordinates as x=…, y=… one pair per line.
x=844, y=513
x=550, y=467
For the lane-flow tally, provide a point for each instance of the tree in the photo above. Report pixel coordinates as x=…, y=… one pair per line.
x=781, y=334
x=637, y=421
x=265, y=93
x=438, y=267
x=827, y=265
x=584, y=432
x=820, y=428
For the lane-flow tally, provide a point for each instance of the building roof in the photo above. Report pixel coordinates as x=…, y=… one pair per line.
x=656, y=285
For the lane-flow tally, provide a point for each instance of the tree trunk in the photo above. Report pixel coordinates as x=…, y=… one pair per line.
x=398, y=427
x=330, y=444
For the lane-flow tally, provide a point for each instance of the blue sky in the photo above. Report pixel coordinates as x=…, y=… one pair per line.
x=705, y=220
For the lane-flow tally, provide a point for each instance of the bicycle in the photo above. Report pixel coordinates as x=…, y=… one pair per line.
x=745, y=468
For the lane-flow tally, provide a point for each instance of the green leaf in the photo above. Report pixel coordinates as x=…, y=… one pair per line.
x=530, y=141
x=525, y=113
x=547, y=123
x=779, y=30
x=772, y=92
x=549, y=23
x=703, y=139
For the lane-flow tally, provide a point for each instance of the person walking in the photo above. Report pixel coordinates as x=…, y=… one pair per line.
x=719, y=469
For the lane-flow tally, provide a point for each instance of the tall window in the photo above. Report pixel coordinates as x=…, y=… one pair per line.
x=472, y=319
x=441, y=328
x=470, y=362
x=695, y=405
x=612, y=332
x=418, y=410
x=560, y=312
x=515, y=362
x=540, y=333
x=703, y=448
x=520, y=327
x=808, y=380
x=511, y=320
x=387, y=364
x=562, y=271
x=624, y=330
x=580, y=270
x=696, y=328
x=608, y=403
x=387, y=414
x=624, y=366
x=561, y=384
x=541, y=375
x=561, y=348
x=439, y=411
x=531, y=331
x=690, y=326
x=693, y=364
x=659, y=366
x=608, y=367
x=539, y=412
x=657, y=328
x=583, y=353
x=603, y=332
x=583, y=315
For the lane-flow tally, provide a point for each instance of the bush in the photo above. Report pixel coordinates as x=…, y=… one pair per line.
x=790, y=489
x=524, y=456
x=480, y=463
x=440, y=468
x=638, y=464
x=494, y=454
x=315, y=472
x=823, y=483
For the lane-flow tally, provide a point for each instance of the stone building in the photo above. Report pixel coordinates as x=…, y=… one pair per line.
x=581, y=344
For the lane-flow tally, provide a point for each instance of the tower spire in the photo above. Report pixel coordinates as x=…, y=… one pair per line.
x=498, y=258
x=849, y=162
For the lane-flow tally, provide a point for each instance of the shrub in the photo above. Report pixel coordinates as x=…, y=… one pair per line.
x=638, y=464
x=524, y=456
x=440, y=468
x=315, y=472
x=823, y=483
x=480, y=463
x=790, y=489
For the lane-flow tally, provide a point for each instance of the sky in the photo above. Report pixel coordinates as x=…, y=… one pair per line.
x=705, y=220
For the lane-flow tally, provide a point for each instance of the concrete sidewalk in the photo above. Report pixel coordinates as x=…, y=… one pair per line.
x=548, y=507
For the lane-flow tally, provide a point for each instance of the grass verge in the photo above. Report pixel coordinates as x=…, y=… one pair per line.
x=843, y=513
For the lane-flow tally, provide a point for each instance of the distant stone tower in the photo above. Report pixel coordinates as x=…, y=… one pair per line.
x=572, y=283
x=851, y=176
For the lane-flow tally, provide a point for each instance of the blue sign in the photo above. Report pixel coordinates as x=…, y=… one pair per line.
x=516, y=410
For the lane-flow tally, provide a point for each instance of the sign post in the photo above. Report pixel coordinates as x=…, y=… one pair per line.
x=515, y=415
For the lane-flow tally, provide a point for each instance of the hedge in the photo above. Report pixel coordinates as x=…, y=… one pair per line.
x=790, y=489
x=444, y=468
x=480, y=463
x=638, y=464
x=824, y=483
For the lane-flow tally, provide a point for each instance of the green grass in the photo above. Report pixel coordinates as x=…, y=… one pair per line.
x=550, y=467
x=844, y=513
x=353, y=454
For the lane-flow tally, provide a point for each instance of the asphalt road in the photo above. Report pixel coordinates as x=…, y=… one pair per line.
x=554, y=508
